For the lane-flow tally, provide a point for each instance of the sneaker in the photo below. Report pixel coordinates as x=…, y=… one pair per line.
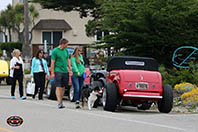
x=22, y=97
x=33, y=97
x=77, y=105
x=60, y=105
x=12, y=97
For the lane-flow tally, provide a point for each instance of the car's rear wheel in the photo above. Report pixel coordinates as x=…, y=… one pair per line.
x=51, y=90
x=110, y=97
x=71, y=93
x=166, y=103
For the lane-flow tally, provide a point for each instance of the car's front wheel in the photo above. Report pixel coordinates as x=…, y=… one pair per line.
x=166, y=103
x=51, y=90
x=110, y=97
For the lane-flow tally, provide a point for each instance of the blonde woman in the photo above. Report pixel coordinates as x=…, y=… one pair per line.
x=16, y=73
x=78, y=69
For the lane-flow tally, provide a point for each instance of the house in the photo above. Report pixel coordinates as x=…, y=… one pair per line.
x=53, y=25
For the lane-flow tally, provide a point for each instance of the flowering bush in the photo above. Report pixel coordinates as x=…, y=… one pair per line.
x=190, y=98
x=184, y=87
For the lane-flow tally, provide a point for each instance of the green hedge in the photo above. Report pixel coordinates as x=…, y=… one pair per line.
x=10, y=46
x=175, y=76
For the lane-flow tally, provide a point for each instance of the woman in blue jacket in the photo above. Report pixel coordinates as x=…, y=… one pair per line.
x=38, y=71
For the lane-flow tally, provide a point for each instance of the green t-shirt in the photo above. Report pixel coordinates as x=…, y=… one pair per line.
x=77, y=67
x=61, y=57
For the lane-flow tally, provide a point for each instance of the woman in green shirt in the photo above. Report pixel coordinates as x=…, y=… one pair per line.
x=78, y=69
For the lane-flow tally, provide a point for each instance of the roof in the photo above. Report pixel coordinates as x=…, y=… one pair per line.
x=52, y=24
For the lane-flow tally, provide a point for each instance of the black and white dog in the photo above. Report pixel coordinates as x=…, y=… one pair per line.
x=90, y=94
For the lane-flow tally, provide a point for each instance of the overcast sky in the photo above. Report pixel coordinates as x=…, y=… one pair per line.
x=4, y=3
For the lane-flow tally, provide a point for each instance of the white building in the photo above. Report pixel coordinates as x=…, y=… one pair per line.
x=53, y=25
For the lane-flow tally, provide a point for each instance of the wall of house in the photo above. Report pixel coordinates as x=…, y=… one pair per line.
x=75, y=36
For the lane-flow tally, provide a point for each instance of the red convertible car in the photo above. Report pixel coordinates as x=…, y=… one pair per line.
x=135, y=81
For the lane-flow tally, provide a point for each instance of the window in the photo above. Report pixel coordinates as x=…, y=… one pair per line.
x=100, y=34
x=52, y=37
x=21, y=1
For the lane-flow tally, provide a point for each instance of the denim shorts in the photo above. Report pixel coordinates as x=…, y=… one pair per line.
x=61, y=79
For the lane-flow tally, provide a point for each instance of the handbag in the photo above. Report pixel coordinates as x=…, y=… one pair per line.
x=30, y=87
x=84, y=75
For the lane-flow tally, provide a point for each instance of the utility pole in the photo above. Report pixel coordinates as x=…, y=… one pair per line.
x=27, y=48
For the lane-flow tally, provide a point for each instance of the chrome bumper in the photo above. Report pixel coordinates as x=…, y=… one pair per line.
x=142, y=96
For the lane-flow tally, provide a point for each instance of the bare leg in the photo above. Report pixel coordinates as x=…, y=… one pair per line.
x=63, y=91
x=60, y=93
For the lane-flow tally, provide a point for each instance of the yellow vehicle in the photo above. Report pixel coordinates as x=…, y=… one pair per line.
x=4, y=71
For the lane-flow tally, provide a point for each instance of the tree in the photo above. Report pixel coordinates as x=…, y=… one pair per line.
x=13, y=18
x=6, y=20
x=151, y=28
x=19, y=20
x=83, y=6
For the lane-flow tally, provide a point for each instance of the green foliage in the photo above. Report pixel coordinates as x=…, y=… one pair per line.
x=13, y=18
x=152, y=28
x=83, y=6
x=9, y=47
x=26, y=71
x=119, y=54
x=1, y=52
x=175, y=76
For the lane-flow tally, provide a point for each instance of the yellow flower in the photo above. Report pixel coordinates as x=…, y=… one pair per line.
x=191, y=97
x=184, y=87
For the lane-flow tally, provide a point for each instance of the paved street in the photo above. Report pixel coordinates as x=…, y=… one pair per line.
x=44, y=116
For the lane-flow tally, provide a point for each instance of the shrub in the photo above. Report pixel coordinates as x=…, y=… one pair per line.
x=10, y=46
x=184, y=87
x=190, y=98
x=175, y=76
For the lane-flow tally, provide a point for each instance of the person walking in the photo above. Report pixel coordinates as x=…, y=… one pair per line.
x=78, y=70
x=17, y=73
x=39, y=70
x=59, y=69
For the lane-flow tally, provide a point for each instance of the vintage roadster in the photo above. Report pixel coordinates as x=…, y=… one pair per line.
x=135, y=81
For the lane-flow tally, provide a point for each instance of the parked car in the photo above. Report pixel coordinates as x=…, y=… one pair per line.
x=135, y=81
x=4, y=72
x=51, y=89
x=98, y=75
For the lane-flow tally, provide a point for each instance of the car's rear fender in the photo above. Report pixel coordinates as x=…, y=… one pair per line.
x=127, y=80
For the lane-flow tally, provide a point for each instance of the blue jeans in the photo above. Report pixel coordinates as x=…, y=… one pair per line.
x=77, y=83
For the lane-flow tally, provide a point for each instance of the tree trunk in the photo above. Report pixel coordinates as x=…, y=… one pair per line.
x=26, y=49
x=10, y=36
